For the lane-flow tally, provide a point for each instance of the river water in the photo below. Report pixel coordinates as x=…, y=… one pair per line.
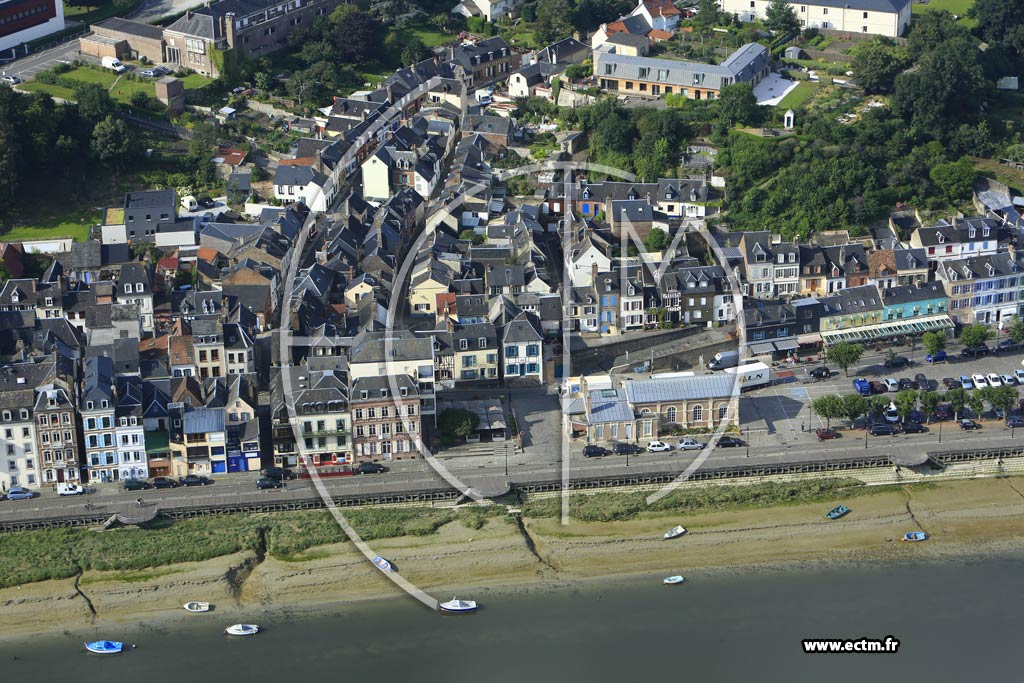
x=957, y=621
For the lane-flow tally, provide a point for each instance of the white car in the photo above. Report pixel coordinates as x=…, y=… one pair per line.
x=1019, y=374
x=1009, y=380
x=980, y=381
x=994, y=380
x=10, y=79
x=891, y=384
x=658, y=446
x=691, y=445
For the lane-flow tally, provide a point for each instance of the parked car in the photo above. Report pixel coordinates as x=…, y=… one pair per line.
x=370, y=468
x=820, y=373
x=892, y=416
x=164, y=483
x=994, y=380
x=882, y=429
x=627, y=449
x=1007, y=345
x=1015, y=421
x=965, y=382
x=658, y=446
x=878, y=387
x=916, y=416
x=862, y=386
x=942, y=413
x=279, y=473
x=951, y=383
x=907, y=384
x=937, y=357
x=593, y=451
x=730, y=442
x=68, y=489
x=923, y=383
x=10, y=79
x=1009, y=380
x=976, y=351
x=207, y=203
x=968, y=425
x=980, y=381
x=148, y=73
x=897, y=362
x=913, y=428
x=690, y=445
x=824, y=434
x=194, y=480
x=19, y=493
x=136, y=484
x=1019, y=375
x=267, y=483
x=891, y=384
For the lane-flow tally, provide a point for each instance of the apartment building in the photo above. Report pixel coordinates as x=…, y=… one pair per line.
x=385, y=424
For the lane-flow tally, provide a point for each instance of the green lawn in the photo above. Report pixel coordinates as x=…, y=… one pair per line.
x=51, y=90
x=430, y=36
x=952, y=6
x=796, y=97
x=94, y=13
x=121, y=92
x=49, y=224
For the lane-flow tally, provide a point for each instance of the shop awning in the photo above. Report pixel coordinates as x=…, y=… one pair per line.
x=813, y=338
x=786, y=344
x=761, y=348
x=891, y=328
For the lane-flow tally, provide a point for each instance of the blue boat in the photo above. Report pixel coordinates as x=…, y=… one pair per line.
x=914, y=536
x=105, y=647
x=837, y=512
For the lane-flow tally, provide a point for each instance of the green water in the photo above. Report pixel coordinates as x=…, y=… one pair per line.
x=958, y=621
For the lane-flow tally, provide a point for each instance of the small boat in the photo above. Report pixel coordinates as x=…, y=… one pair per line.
x=837, y=512
x=674, y=532
x=197, y=606
x=382, y=564
x=105, y=647
x=672, y=580
x=458, y=606
x=242, y=630
x=914, y=536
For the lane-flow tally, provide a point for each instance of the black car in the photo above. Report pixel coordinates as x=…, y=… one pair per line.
x=266, y=483
x=1007, y=345
x=923, y=383
x=820, y=373
x=164, y=483
x=950, y=383
x=975, y=352
x=279, y=473
x=593, y=451
x=897, y=362
x=882, y=429
x=913, y=428
x=627, y=449
x=136, y=485
x=916, y=416
x=1015, y=421
x=907, y=384
x=730, y=442
x=370, y=468
x=206, y=203
x=968, y=425
x=194, y=480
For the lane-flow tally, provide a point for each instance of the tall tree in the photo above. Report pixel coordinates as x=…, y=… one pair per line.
x=875, y=66
x=357, y=35
x=554, y=21
x=1016, y=330
x=94, y=102
x=780, y=18
x=844, y=355
x=958, y=399
x=944, y=90
x=930, y=401
x=954, y=179
x=975, y=335
x=931, y=29
x=1000, y=22
x=934, y=342
x=707, y=15
x=854, y=405
x=738, y=105
x=905, y=401
x=113, y=142
x=830, y=407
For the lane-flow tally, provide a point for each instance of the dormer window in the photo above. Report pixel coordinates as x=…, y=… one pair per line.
x=404, y=391
x=781, y=258
x=383, y=393
x=364, y=394
x=941, y=237
x=104, y=403
x=972, y=233
x=463, y=344
x=985, y=231
x=792, y=258
x=481, y=342
x=128, y=288
x=89, y=405
x=138, y=287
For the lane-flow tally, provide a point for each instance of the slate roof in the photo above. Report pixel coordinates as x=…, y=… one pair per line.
x=525, y=327
x=680, y=388
x=740, y=67
x=609, y=405
x=203, y=421
x=403, y=344
x=907, y=294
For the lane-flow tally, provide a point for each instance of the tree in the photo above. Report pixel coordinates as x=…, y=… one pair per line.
x=944, y=90
x=1016, y=330
x=931, y=29
x=553, y=21
x=954, y=179
x=854, y=405
x=878, y=405
x=930, y=401
x=999, y=21
x=905, y=401
x=975, y=335
x=958, y=399
x=780, y=18
x=204, y=139
x=414, y=51
x=113, y=142
x=737, y=105
x=456, y=423
x=140, y=99
x=977, y=400
x=262, y=79
x=1004, y=398
x=844, y=355
x=875, y=66
x=94, y=102
x=471, y=235
x=357, y=36
x=657, y=239
x=708, y=14
x=933, y=342
x=830, y=407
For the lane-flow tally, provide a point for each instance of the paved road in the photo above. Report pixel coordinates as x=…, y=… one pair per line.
x=28, y=67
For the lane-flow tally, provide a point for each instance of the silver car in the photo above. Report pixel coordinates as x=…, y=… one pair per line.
x=691, y=445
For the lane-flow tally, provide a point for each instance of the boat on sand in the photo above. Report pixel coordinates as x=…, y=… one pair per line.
x=197, y=606
x=672, y=580
x=674, y=532
x=457, y=606
x=242, y=630
x=105, y=647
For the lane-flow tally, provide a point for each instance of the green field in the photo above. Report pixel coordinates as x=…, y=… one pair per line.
x=952, y=6
x=47, y=224
x=94, y=13
x=796, y=97
x=429, y=36
x=120, y=88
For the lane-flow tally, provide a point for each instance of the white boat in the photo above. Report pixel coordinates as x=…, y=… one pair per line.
x=675, y=532
x=458, y=606
x=382, y=564
x=242, y=630
x=197, y=606
x=672, y=580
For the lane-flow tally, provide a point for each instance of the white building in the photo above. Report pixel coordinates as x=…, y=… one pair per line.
x=129, y=430
x=488, y=9
x=18, y=460
x=876, y=17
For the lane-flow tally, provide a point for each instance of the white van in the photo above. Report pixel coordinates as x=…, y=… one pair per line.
x=70, y=490
x=189, y=203
x=114, y=64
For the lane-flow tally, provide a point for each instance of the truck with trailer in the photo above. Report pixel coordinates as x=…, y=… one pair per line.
x=752, y=375
x=723, y=360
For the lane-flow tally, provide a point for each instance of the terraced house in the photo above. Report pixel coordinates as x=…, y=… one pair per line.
x=983, y=289
x=385, y=417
